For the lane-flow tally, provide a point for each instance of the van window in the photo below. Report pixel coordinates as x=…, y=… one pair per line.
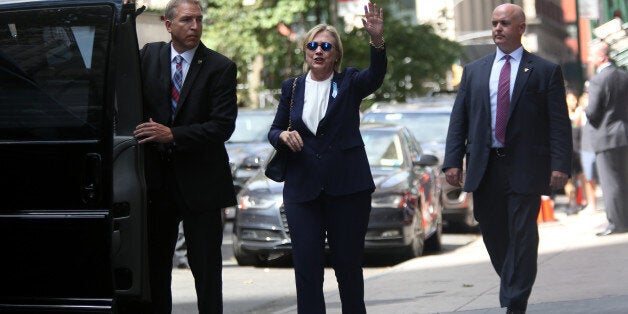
x=52, y=73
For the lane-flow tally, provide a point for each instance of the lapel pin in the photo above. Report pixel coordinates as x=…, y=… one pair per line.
x=526, y=69
x=199, y=61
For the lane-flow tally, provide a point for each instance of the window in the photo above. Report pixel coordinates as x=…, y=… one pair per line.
x=252, y=127
x=383, y=149
x=53, y=73
x=426, y=127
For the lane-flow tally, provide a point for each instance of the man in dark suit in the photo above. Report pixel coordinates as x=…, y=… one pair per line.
x=607, y=113
x=510, y=121
x=190, y=108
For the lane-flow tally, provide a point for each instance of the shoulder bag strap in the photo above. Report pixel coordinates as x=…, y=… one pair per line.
x=294, y=85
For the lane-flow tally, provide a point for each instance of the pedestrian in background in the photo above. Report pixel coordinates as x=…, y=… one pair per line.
x=607, y=113
x=328, y=185
x=576, y=182
x=587, y=155
x=190, y=110
x=510, y=121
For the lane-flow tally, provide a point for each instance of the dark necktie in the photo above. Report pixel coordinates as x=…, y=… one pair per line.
x=503, y=100
x=177, y=83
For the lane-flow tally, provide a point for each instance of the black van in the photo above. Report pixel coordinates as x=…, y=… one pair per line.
x=72, y=192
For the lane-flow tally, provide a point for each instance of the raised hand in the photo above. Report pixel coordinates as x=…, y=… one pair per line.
x=373, y=21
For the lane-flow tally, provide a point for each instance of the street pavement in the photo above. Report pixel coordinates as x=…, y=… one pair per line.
x=578, y=272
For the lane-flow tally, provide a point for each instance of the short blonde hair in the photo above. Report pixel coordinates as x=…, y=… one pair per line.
x=309, y=36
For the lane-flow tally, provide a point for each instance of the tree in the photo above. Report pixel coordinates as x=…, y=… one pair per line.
x=245, y=33
x=264, y=41
x=416, y=55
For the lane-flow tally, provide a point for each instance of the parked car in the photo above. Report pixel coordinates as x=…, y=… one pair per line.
x=72, y=216
x=406, y=211
x=248, y=147
x=428, y=119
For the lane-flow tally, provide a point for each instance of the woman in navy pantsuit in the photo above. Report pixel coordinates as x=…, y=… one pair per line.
x=327, y=192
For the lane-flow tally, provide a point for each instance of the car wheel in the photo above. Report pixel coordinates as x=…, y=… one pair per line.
x=434, y=243
x=415, y=249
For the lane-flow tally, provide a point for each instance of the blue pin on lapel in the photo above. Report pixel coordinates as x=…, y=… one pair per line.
x=334, y=89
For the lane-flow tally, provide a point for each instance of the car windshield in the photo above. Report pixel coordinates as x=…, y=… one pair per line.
x=425, y=126
x=52, y=69
x=383, y=148
x=252, y=127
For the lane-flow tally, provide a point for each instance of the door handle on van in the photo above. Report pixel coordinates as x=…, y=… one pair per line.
x=90, y=191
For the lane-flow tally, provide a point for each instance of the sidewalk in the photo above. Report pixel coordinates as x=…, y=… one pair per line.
x=578, y=273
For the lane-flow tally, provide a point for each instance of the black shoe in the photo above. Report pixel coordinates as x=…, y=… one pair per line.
x=511, y=311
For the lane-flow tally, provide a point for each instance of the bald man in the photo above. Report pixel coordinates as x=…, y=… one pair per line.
x=510, y=122
x=607, y=113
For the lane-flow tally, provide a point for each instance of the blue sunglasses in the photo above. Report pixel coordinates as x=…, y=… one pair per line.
x=324, y=45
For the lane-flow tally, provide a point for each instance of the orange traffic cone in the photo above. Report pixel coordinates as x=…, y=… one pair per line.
x=539, y=219
x=546, y=213
x=579, y=196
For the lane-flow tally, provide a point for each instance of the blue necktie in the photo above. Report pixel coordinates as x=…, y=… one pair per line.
x=177, y=83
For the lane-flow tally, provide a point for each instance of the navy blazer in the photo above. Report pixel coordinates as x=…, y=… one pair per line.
x=204, y=120
x=334, y=159
x=538, y=131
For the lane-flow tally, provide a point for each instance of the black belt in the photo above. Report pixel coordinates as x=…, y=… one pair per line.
x=500, y=152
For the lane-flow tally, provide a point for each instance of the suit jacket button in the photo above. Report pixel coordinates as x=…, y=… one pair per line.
x=318, y=156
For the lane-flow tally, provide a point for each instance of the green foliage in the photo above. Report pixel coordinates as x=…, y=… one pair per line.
x=416, y=55
x=242, y=32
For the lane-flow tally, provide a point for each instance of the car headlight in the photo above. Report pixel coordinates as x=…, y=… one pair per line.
x=388, y=200
x=259, y=201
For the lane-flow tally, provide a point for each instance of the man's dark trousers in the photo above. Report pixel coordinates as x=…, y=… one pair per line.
x=510, y=232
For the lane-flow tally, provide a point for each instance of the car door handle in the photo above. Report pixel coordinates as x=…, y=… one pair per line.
x=90, y=190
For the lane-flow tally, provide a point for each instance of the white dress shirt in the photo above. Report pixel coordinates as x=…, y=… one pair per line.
x=185, y=64
x=315, y=101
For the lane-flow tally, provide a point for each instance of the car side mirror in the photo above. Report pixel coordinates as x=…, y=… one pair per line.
x=426, y=160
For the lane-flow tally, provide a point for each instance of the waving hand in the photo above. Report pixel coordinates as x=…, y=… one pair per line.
x=373, y=21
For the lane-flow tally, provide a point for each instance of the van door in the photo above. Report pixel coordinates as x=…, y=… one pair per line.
x=72, y=190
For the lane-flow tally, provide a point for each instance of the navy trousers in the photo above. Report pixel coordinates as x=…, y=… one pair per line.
x=510, y=232
x=343, y=220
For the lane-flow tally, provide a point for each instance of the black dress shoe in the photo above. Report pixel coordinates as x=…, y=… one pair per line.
x=606, y=232
x=511, y=311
